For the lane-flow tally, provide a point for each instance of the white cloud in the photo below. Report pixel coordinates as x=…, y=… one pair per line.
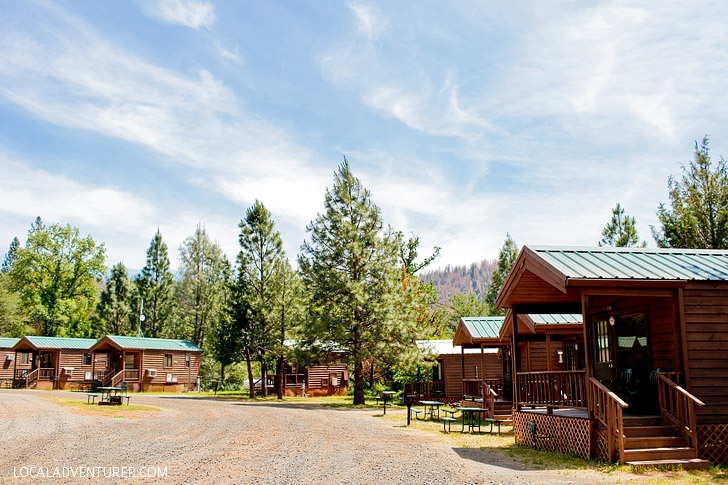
x=190, y=13
x=368, y=19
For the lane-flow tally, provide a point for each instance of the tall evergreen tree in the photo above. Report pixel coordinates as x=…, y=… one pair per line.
x=287, y=311
x=205, y=273
x=115, y=305
x=351, y=272
x=11, y=255
x=506, y=257
x=261, y=249
x=55, y=275
x=156, y=288
x=621, y=231
x=698, y=212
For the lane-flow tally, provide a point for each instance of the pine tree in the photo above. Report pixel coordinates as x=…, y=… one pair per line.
x=351, y=272
x=11, y=255
x=115, y=305
x=261, y=250
x=698, y=213
x=287, y=311
x=506, y=257
x=621, y=231
x=156, y=288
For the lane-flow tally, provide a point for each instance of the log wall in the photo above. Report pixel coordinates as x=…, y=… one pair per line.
x=154, y=359
x=706, y=329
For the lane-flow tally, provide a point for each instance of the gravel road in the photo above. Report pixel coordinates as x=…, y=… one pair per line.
x=201, y=439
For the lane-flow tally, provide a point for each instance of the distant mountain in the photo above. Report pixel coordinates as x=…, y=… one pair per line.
x=462, y=279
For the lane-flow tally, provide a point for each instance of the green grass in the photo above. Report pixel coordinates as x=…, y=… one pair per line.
x=123, y=411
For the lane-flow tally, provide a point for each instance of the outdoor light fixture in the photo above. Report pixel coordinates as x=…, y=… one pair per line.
x=611, y=321
x=560, y=353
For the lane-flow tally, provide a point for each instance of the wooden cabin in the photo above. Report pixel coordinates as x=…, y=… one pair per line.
x=452, y=368
x=51, y=362
x=146, y=364
x=320, y=380
x=654, y=388
x=7, y=360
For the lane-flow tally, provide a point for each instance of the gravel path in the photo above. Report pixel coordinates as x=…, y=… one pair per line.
x=200, y=439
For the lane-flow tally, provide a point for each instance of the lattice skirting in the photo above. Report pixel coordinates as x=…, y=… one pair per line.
x=713, y=442
x=554, y=433
x=601, y=447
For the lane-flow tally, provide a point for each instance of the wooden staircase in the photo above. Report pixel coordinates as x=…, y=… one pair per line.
x=648, y=441
x=503, y=410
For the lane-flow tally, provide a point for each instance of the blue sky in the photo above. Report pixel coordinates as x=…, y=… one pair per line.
x=466, y=120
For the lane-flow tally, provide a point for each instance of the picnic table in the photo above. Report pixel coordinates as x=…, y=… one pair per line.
x=110, y=396
x=470, y=415
x=387, y=396
x=434, y=408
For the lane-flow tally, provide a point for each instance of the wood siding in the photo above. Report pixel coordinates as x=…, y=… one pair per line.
x=154, y=359
x=452, y=370
x=72, y=358
x=706, y=325
x=7, y=366
x=315, y=376
x=662, y=314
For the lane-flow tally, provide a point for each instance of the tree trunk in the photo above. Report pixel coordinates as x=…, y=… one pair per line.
x=280, y=377
x=358, y=381
x=251, y=381
x=264, y=377
x=222, y=372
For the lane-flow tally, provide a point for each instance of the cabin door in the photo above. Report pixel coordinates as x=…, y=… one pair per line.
x=605, y=367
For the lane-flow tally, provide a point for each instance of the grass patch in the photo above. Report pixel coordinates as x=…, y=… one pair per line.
x=329, y=401
x=123, y=411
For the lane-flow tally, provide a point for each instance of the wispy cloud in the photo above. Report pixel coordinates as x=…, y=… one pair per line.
x=369, y=20
x=190, y=13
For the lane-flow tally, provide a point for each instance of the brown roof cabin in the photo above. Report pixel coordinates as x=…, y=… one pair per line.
x=655, y=340
x=51, y=362
x=445, y=380
x=7, y=360
x=146, y=364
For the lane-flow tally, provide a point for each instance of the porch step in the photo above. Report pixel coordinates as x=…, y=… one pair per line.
x=661, y=430
x=688, y=464
x=667, y=453
x=654, y=442
x=632, y=421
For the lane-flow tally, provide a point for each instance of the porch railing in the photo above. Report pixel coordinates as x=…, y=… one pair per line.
x=678, y=406
x=608, y=408
x=425, y=389
x=29, y=377
x=46, y=373
x=103, y=375
x=131, y=374
x=498, y=386
x=117, y=379
x=289, y=380
x=552, y=389
x=489, y=395
x=472, y=387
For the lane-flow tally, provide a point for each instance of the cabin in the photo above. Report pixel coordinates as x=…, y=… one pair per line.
x=142, y=364
x=652, y=388
x=321, y=380
x=7, y=360
x=146, y=364
x=51, y=362
x=452, y=368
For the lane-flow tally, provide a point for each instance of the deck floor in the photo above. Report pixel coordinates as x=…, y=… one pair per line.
x=566, y=413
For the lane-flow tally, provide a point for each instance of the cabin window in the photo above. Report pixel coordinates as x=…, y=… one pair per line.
x=87, y=358
x=602, y=334
x=24, y=358
x=129, y=361
x=167, y=360
x=187, y=360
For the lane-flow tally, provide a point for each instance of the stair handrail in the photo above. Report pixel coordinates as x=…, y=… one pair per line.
x=31, y=377
x=116, y=380
x=678, y=407
x=489, y=396
x=608, y=408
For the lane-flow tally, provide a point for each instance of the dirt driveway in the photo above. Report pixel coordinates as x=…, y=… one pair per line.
x=197, y=439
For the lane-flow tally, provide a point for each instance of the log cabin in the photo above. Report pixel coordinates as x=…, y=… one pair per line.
x=51, y=362
x=320, y=380
x=7, y=360
x=654, y=388
x=146, y=364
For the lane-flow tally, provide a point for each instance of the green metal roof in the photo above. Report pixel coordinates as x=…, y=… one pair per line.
x=153, y=343
x=483, y=327
x=556, y=318
x=636, y=263
x=60, y=342
x=8, y=343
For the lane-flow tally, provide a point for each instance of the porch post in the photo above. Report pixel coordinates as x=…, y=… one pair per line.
x=516, y=357
x=56, y=379
x=683, y=339
x=587, y=350
x=93, y=365
x=548, y=352
x=482, y=372
x=462, y=365
x=15, y=367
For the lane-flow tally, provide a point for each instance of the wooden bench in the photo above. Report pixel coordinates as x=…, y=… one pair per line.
x=417, y=412
x=493, y=421
x=91, y=398
x=447, y=420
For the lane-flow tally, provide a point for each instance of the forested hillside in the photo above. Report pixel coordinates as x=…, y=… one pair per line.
x=462, y=279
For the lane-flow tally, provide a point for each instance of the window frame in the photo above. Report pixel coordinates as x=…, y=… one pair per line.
x=171, y=361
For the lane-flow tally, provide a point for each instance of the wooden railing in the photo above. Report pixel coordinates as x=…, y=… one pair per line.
x=498, y=385
x=425, y=389
x=552, y=389
x=473, y=387
x=678, y=406
x=117, y=379
x=489, y=395
x=46, y=373
x=608, y=408
x=131, y=375
x=30, y=377
x=289, y=380
x=103, y=375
